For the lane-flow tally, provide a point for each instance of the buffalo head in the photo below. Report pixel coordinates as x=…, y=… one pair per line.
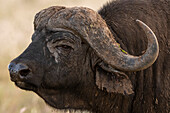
x=71, y=53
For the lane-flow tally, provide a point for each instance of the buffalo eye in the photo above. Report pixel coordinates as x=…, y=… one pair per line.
x=63, y=49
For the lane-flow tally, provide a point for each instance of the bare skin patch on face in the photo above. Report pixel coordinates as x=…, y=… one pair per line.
x=51, y=47
x=61, y=44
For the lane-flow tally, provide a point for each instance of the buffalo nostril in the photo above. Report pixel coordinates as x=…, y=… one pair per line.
x=24, y=72
x=18, y=70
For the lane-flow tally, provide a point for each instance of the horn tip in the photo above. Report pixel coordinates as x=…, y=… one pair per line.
x=139, y=21
x=143, y=25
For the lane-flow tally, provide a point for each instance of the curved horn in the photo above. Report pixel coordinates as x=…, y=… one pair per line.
x=90, y=26
x=128, y=62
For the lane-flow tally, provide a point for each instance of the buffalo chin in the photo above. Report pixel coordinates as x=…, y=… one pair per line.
x=62, y=99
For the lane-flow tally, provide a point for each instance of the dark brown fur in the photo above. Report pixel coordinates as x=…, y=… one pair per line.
x=69, y=82
x=151, y=86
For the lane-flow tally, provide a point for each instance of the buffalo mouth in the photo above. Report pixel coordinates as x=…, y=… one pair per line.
x=25, y=86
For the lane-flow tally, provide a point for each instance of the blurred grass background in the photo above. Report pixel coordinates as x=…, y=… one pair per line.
x=16, y=28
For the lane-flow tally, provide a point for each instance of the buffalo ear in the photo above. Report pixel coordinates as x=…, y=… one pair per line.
x=112, y=80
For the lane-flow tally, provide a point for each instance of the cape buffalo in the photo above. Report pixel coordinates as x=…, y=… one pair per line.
x=102, y=62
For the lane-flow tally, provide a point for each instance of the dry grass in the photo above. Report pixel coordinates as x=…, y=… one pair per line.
x=16, y=17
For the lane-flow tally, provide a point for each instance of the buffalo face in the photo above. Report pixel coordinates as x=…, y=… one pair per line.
x=52, y=66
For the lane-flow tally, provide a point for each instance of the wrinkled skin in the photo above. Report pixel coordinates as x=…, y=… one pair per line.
x=64, y=70
x=51, y=79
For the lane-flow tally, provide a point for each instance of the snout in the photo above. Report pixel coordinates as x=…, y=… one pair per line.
x=22, y=75
x=18, y=72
